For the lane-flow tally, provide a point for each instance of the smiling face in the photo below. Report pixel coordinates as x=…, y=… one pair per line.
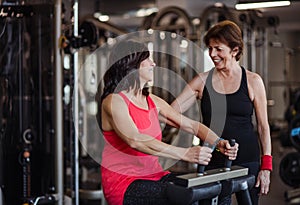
x=146, y=71
x=222, y=55
x=228, y=34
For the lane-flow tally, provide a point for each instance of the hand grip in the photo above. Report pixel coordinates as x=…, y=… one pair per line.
x=228, y=162
x=200, y=167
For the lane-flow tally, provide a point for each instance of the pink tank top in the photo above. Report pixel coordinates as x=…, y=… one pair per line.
x=121, y=164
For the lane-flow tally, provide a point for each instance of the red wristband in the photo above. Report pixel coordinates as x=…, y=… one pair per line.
x=266, y=162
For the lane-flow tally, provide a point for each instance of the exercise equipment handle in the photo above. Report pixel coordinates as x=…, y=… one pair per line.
x=228, y=162
x=201, y=167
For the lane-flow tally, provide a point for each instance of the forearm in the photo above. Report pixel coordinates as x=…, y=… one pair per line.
x=149, y=145
x=196, y=128
x=204, y=133
x=209, y=136
x=265, y=140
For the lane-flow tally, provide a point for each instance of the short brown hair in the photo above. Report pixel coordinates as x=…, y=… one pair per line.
x=228, y=33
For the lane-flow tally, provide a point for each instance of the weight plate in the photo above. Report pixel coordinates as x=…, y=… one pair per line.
x=289, y=169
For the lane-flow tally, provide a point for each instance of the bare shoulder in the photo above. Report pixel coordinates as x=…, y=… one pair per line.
x=201, y=77
x=112, y=101
x=157, y=100
x=198, y=82
x=160, y=103
x=204, y=74
x=255, y=84
x=254, y=79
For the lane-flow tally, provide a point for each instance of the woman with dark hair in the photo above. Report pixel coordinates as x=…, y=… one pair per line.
x=229, y=94
x=130, y=170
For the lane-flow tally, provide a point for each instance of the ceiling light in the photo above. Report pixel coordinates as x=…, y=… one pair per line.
x=256, y=5
x=145, y=12
x=104, y=18
x=101, y=17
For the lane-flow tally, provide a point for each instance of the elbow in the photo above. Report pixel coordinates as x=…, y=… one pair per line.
x=133, y=144
x=142, y=146
x=263, y=129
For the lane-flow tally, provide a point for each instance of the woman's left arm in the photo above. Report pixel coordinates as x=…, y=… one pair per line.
x=176, y=119
x=260, y=106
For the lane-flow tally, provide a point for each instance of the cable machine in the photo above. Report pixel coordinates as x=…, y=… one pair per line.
x=27, y=111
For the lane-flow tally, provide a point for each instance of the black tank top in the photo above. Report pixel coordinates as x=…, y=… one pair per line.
x=230, y=116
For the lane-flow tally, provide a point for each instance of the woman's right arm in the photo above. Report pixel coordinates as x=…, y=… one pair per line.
x=115, y=116
x=191, y=92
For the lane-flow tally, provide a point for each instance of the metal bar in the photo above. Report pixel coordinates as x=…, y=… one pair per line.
x=1, y=197
x=58, y=106
x=20, y=78
x=214, y=175
x=91, y=194
x=243, y=197
x=40, y=84
x=76, y=107
x=265, y=65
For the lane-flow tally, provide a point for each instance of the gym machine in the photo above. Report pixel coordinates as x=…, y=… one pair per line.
x=204, y=187
x=26, y=106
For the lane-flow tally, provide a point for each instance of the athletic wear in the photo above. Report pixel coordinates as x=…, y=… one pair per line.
x=149, y=192
x=121, y=164
x=230, y=116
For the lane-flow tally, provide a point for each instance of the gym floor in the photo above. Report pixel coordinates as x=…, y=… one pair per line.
x=278, y=187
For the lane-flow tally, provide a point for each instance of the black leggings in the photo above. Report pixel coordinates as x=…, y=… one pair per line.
x=148, y=192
